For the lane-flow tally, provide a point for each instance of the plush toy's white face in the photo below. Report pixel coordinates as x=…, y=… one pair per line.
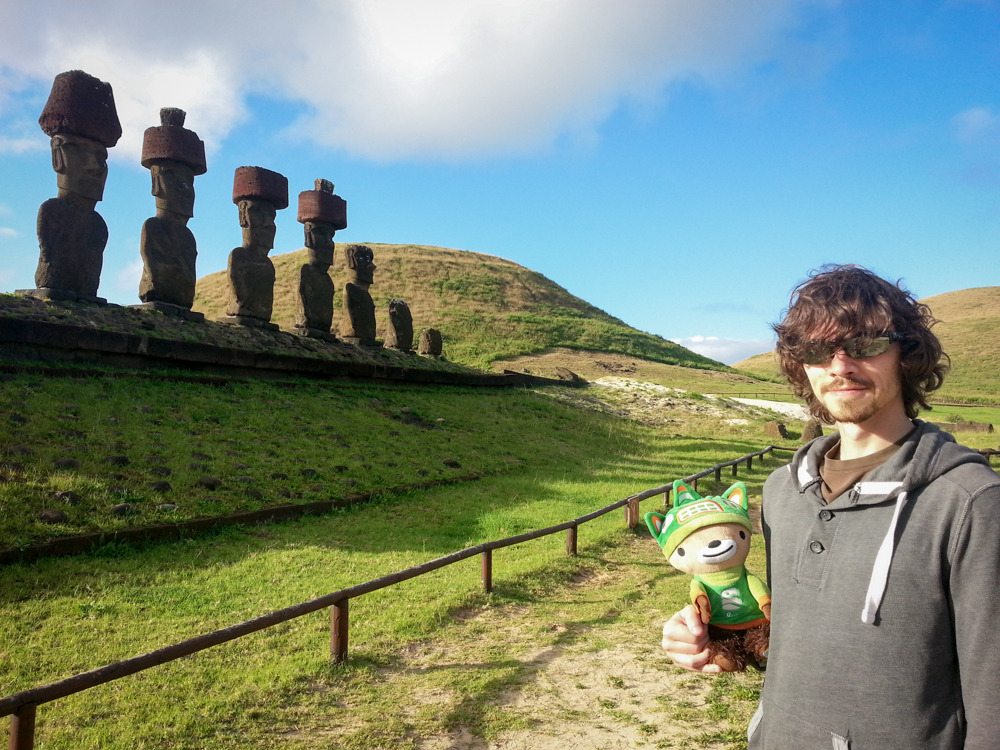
x=712, y=548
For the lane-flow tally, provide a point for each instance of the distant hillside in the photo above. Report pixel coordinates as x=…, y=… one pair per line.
x=969, y=330
x=487, y=308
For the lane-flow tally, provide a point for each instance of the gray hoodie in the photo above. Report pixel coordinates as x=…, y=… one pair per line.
x=885, y=629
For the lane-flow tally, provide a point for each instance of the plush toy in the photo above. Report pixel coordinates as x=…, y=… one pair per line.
x=709, y=537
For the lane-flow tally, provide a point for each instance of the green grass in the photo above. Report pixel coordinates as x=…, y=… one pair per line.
x=61, y=616
x=487, y=308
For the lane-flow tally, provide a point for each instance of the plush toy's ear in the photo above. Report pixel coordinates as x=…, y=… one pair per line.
x=737, y=495
x=683, y=493
x=655, y=523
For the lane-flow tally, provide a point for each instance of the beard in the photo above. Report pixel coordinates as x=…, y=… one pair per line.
x=854, y=411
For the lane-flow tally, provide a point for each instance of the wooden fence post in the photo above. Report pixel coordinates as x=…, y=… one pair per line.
x=736, y=467
x=339, y=620
x=749, y=462
x=487, y=570
x=718, y=473
x=571, y=541
x=22, y=728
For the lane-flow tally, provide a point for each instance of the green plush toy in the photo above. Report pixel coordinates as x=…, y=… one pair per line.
x=709, y=537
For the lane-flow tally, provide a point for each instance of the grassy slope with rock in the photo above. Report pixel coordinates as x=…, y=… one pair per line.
x=553, y=454
x=969, y=330
x=486, y=307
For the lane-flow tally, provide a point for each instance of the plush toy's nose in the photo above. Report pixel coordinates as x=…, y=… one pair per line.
x=714, y=543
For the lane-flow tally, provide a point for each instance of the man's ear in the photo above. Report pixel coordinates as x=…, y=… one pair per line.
x=157, y=189
x=737, y=495
x=58, y=157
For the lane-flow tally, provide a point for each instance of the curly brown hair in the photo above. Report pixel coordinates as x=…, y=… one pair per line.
x=840, y=301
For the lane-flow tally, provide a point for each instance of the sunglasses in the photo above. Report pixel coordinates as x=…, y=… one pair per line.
x=856, y=347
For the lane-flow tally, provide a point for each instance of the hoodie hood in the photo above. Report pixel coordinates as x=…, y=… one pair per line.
x=928, y=453
x=925, y=455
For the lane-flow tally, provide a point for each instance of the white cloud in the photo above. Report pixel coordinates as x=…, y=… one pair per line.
x=390, y=78
x=727, y=351
x=18, y=145
x=7, y=232
x=127, y=280
x=977, y=125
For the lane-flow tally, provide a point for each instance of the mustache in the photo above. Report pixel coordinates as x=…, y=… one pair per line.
x=841, y=383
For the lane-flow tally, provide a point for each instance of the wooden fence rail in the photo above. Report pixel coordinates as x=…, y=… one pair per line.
x=21, y=707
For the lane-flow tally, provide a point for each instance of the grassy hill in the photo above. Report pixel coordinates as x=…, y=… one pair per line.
x=487, y=308
x=969, y=330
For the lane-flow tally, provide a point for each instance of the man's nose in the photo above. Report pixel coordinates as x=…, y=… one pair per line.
x=842, y=362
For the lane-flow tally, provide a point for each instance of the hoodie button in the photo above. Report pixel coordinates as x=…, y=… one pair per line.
x=816, y=547
x=825, y=515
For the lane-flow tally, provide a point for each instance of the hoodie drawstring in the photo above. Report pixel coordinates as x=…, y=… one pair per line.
x=880, y=571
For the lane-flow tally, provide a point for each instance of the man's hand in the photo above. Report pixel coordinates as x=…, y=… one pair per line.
x=685, y=639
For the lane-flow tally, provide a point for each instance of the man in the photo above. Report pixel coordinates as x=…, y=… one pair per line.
x=883, y=542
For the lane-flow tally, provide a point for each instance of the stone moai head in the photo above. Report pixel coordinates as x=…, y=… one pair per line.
x=81, y=119
x=431, y=344
x=400, y=333
x=361, y=269
x=260, y=194
x=173, y=155
x=322, y=214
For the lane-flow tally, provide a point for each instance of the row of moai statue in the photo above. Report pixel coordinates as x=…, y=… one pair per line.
x=81, y=119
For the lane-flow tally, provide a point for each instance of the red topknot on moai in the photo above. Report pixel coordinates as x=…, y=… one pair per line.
x=81, y=119
x=322, y=214
x=173, y=155
x=260, y=194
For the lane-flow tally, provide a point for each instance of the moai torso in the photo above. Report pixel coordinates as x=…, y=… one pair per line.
x=360, y=317
x=316, y=290
x=169, y=256
x=71, y=241
x=251, y=284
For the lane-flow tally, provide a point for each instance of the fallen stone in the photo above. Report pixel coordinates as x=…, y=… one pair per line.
x=212, y=483
x=351, y=482
x=277, y=475
x=195, y=466
x=775, y=430
x=161, y=471
x=67, y=464
x=201, y=456
x=122, y=510
x=117, y=460
x=53, y=516
x=452, y=463
x=167, y=507
x=811, y=431
x=254, y=494
x=308, y=472
x=244, y=479
x=18, y=419
x=19, y=450
x=160, y=486
x=68, y=496
x=240, y=467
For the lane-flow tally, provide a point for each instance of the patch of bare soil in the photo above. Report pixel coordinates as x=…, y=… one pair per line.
x=593, y=365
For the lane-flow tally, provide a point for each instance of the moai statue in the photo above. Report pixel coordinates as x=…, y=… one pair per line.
x=260, y=194
x=358, y=326
x=321, y=213
x=173, y=155
x=430, y=343
x=81, y=119
x=400, y=332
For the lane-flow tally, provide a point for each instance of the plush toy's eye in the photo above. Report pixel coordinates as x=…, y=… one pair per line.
x=743, y=535
x=680, y=551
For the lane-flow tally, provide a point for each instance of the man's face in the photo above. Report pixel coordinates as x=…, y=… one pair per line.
x=173, y=184
x=364, y=267
x=855, y=390
x=82, y=164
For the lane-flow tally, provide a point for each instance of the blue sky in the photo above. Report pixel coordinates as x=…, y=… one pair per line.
x=680, y=164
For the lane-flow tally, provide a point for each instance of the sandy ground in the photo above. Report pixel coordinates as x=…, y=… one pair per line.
x=795, y=411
